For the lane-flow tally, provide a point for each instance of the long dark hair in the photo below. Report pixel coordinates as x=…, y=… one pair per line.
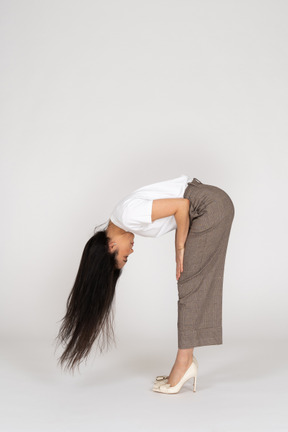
x=89, y=306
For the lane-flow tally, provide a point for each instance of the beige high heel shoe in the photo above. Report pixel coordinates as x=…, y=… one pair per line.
x=161, y=385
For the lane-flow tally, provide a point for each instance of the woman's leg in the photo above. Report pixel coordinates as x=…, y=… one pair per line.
x=200, y=285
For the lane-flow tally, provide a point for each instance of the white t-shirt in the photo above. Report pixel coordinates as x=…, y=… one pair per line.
x=133, y=212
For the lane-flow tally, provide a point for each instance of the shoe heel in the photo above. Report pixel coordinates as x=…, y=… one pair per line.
x=194, y=384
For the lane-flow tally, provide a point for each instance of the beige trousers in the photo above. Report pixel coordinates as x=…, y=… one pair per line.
x=200, y=286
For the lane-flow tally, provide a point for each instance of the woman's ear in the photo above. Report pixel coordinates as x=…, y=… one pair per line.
x=112, y=246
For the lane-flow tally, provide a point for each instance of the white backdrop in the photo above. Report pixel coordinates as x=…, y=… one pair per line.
x=102, y=97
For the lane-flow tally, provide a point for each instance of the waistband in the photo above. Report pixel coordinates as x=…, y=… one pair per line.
x=195, y=181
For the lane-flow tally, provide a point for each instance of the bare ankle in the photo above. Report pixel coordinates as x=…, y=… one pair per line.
x=185, y=355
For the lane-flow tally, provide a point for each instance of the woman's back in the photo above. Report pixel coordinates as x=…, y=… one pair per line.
x=133, y=212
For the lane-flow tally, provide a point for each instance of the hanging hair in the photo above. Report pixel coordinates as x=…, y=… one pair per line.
x=89, y=314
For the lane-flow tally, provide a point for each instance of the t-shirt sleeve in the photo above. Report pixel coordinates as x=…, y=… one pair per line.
x=137, y=212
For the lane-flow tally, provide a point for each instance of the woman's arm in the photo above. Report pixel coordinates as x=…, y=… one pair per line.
x=182, y=219
x=168, y=207
x=179, y=207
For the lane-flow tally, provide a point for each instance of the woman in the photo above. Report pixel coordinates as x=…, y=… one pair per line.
x=201, y=216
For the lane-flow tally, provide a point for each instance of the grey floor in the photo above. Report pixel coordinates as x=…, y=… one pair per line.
x=241, y=386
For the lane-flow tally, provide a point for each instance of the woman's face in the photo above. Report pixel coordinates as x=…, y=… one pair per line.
x=123, y=244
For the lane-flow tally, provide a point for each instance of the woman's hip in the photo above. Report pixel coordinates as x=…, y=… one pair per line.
x=208, y=205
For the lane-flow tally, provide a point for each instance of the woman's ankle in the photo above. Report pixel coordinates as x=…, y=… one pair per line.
x=185, y=355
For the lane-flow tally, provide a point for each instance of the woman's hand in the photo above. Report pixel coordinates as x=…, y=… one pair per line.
x=179, y=262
